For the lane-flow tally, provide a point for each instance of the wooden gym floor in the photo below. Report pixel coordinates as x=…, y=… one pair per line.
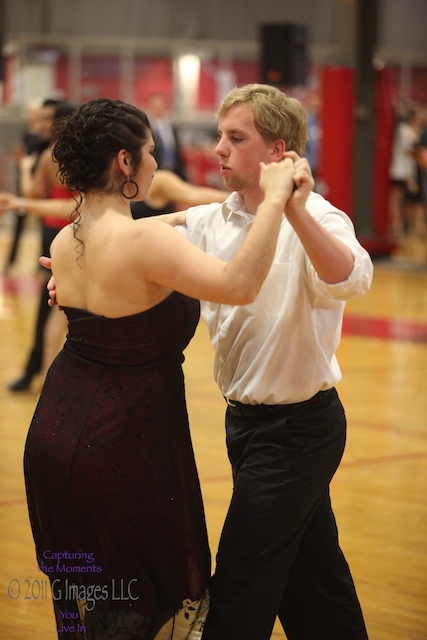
x=379, y=492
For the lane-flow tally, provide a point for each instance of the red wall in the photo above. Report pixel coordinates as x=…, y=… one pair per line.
x=336, y=161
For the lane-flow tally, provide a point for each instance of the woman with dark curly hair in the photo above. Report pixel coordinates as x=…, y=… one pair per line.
x=112, y=486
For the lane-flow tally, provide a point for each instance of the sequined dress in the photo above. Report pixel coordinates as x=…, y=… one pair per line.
x=112, y=487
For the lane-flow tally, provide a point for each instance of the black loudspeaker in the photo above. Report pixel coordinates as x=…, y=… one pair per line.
x=284, y=54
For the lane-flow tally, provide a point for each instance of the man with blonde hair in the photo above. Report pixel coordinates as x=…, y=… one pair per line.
x=275, y=365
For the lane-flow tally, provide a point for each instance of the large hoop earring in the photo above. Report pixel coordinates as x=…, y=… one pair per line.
x=129, y=181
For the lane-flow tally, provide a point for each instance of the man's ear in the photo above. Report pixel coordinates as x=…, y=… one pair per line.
x=278, y=148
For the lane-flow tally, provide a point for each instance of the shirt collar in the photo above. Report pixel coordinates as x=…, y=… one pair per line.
x=234, y=205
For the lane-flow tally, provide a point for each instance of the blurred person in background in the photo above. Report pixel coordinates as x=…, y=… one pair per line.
x=49, y=330
x=406, y=211
x=27, y=152
x=168, y=153
x=421, y=160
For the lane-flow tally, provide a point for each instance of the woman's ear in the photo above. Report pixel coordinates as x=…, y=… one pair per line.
x=124, y=161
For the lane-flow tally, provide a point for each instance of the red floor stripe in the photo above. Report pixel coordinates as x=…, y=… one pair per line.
x=388, y=329
x=21, y=285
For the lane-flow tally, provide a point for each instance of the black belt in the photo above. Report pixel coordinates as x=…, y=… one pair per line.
x=268, y=410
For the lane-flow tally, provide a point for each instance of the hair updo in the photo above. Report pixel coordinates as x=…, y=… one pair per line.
x=86, y=142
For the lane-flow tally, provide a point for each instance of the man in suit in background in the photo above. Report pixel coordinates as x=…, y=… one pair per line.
x=168, y=150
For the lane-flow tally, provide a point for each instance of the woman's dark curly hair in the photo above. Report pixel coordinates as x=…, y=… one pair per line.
x=86, y=142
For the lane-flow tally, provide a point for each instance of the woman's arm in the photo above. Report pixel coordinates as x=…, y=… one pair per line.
x=61, y=208
x=167, y=186
x=171, y=261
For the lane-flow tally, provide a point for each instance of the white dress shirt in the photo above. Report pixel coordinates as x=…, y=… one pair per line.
x=281, y=348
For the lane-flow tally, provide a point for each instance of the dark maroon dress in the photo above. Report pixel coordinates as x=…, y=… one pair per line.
x=111, y=478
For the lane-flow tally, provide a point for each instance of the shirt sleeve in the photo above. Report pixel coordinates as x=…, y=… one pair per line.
x=360, y=279
x=197, y=222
